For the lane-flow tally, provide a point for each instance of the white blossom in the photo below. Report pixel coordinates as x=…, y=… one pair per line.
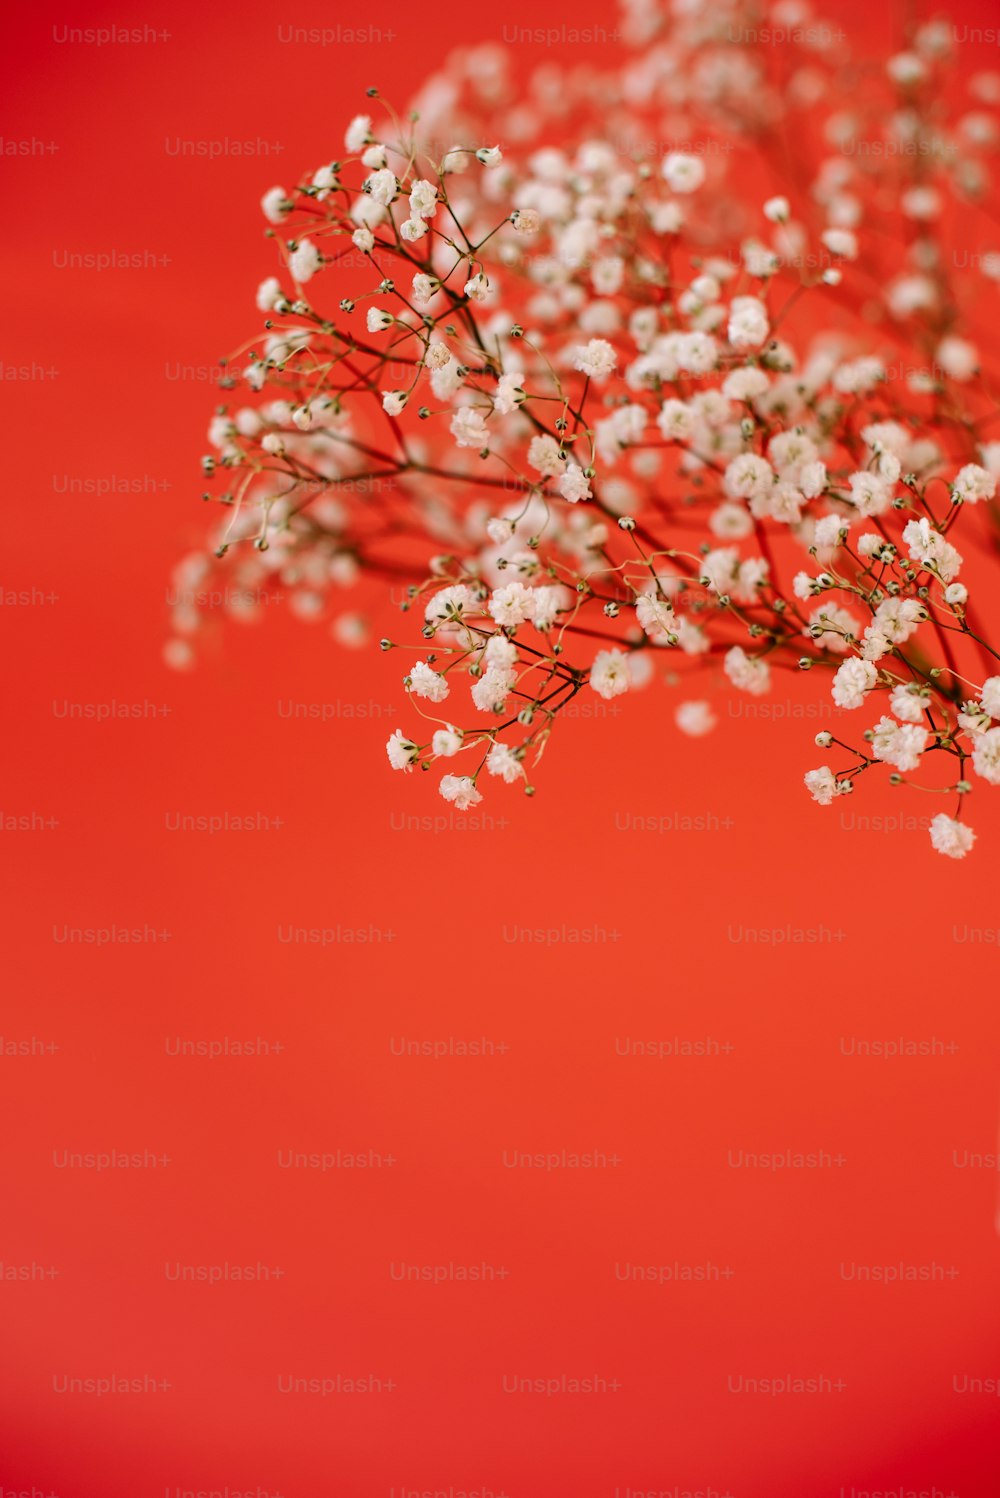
x=460, y=790
x=401, y=751
x=468, y=427
x=749, y=673
x=572, y=483
x=425, y=682
x=502, y=761
x=512, y=605
x=683, y=172
x=852, y=682
x=357, y=133
x=986, y=755
x=949, y=837
x=609, y=675
x=823, y=786
x=695, y=718
x=596, y=359
x=305, y=260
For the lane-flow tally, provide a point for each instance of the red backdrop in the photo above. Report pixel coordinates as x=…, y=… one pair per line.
x=325, y=1265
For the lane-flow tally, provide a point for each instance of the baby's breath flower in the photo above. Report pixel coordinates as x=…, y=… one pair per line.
x=609, y=675
x=575, y=338
x=460, y=790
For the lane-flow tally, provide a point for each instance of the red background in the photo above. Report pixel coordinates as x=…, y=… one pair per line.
x=881, y=955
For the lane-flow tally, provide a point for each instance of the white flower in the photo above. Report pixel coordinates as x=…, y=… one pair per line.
x=828, y=530
x=572, y=483
x=357, y=132
x=956, y=593
x=624, y=427
x=268, y=294
x=550, y=600
x=921, y=202
x=852, y=682
x=393, y=401
x=748, y=477
x=695, y=718
x=305, y=260
x=526, y=220
x=930, y=547
x=986, y=755
x=812, y=482
x=275, y=205
x=401, y=751
x=438, y=356
x=833, y=628
x=378, y=320
x=325, y=179
x=412, y=229
x=676, y=421
x=364, y=240
x=908, y=705
x=423, y=288
x=782, y=502
x=989, y=696
x=973, y=720
x=730, y=522
x=468, y=427
x=543, y=455
x=871, y=494
x=759, y=260
x=460, y=790
x=958, y=358
x=382, y=187
x=455, y=161
x=423, y=199
x=499, y=530
x=748, y=673
x=477, y=287
x=451, y=604
x=502, y=761
x=500, y=651
x=596, y=359
x=607, y=274
x=973, y=483
x=841, y=242
x=949, y=837
x=748, y=322
x=682, y=172
x=823, y=786
x=692, y=639
x=858, y=375
x=745, y=384
x=509, y=394
x=895, y=621
x=427, y=683
x=790, y=452
x=492, y=689
x=489, y=155
x=720, y=569
x=777, y=210
x=656, y=617
x=446, y=742
x=609, y=675
x=898, y=745
x=697, y=353
x=513, y=604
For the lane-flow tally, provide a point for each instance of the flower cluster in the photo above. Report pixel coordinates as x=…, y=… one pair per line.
x=677, y=378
